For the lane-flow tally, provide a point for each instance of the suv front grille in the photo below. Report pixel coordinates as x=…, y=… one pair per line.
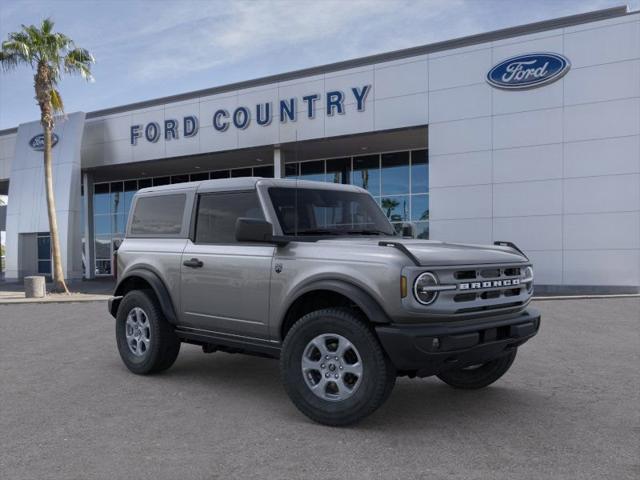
x=495, y=287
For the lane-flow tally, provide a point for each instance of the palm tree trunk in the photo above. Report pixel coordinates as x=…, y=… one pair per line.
x=59, y=284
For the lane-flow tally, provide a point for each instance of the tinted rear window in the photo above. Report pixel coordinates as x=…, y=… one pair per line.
x=159, y=215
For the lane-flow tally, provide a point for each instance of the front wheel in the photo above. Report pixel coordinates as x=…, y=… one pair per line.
x=481, y=375
x=333, y=367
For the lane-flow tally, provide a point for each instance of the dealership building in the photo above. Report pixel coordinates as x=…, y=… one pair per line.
x=529, y=134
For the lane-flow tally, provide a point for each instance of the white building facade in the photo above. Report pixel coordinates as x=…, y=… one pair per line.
x=529, y=134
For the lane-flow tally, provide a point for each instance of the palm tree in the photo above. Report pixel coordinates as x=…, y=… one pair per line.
x=389, y=204
x=50, y=54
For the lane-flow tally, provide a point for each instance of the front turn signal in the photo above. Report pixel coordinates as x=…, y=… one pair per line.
x=403, y=286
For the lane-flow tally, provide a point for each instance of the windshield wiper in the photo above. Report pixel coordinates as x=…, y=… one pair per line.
x=319, y=231
x=368, y=232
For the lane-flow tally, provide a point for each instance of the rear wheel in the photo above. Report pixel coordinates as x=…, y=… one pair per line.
x=481, y=375
x=333, y=367
x=146, y=341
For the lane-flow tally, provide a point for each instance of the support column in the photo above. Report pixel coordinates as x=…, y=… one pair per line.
x=278, y=163
x=87, y=224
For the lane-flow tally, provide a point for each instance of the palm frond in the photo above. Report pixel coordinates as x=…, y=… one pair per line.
x=56, y=101
x=47, y=26
x=9, y=61
x=79, y=61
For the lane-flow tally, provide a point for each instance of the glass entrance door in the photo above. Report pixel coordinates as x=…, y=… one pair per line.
x=44, y=253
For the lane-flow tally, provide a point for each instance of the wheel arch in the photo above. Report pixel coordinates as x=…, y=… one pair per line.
x=140, y=279
x=330, y=293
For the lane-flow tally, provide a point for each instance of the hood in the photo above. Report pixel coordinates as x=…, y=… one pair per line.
x=436, y=253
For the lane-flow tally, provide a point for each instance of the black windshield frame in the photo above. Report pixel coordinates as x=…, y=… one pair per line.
x=328, y=212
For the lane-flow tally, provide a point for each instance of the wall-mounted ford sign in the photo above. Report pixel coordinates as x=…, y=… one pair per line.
x=37, y=142
x=528, y=71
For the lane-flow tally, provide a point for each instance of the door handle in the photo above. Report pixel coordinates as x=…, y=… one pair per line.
x=193, y=263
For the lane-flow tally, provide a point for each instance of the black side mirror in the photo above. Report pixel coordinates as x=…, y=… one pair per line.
x=256, y=230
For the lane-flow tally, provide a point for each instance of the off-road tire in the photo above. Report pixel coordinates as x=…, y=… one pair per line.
x=378, y=376
x=480, y=377
x=164, y=344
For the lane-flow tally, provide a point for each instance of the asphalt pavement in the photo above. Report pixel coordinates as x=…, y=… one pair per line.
x=568, y=409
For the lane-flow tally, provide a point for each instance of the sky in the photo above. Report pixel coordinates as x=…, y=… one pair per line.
x=150, y=49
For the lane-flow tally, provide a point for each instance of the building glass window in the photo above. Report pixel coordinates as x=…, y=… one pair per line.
x=144, y=183
x=421, y=230
x=158, y=181
x=130, y=189
x=396, y=208
x=240, y=172
x=419, y=208
x=366, y=173
x=101, y=199
x=419, y=171
x=220, y=174
x=265, y=171
x=338, y=170
x=291, y=170
x=197, y=177
x=179, y=178
x=103, y=267
x=312, y=171
x=395, y=173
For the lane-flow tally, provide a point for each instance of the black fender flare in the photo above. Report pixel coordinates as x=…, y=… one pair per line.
x=365, y=302
x=157, y=285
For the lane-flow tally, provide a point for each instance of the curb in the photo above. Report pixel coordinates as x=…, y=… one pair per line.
x=18, y=301
x=584, y=297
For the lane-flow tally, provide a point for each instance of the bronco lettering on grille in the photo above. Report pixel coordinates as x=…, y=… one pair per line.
x=489, y=284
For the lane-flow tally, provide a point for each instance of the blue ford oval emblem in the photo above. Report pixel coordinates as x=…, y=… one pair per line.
x=528, y=71
x=37, y=142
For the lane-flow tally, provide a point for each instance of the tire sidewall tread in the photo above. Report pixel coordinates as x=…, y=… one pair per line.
x=484, y=376
x=165, y=345
x=378, y=376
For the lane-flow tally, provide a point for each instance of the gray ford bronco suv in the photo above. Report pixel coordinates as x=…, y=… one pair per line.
x=315, y=275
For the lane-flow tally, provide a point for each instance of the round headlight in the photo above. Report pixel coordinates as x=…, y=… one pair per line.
x=528, y=275
x=421, y=289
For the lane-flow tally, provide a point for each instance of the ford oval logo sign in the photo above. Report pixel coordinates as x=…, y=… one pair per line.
x=528, y=71
x=37, y=142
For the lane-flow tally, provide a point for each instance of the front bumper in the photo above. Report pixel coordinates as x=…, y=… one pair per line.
x=429, y=349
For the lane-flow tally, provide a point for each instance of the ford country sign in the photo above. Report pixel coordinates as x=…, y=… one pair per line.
x=37, y=142
x=528, y=71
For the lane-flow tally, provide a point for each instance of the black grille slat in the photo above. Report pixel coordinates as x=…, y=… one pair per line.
x=465, y=275
x=490, y=273
x=464, y=297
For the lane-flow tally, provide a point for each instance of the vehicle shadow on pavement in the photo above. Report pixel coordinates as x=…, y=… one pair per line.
x=424, y=404
x=415, y=404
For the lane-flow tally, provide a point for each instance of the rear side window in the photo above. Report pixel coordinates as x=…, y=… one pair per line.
x=218, y=212
x=159, y=215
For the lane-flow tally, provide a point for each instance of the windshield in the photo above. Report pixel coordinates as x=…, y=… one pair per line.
x=307, y=211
